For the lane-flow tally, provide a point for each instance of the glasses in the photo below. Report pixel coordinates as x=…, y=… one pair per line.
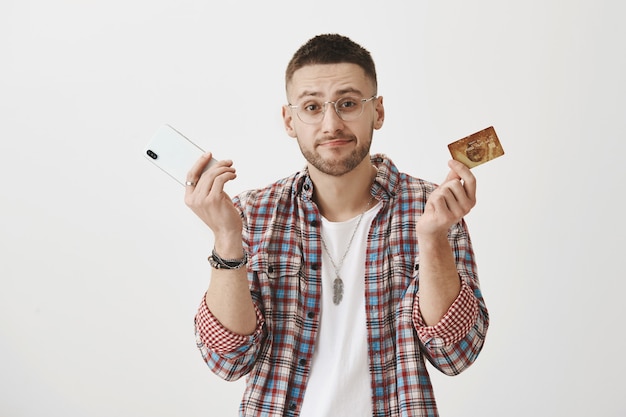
x=347, y=108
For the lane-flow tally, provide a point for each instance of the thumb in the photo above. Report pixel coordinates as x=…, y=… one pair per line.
x=452, y=175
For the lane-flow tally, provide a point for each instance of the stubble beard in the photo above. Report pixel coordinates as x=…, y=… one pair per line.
x=337, y=166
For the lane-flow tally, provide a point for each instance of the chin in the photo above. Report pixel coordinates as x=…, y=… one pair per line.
x=338, y=166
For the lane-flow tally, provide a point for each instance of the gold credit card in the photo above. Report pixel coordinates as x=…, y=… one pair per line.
x=477, y=148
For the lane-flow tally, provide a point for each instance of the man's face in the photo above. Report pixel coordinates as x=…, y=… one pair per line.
x=333, y=146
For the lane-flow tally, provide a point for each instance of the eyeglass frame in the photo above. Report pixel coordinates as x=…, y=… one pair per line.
x=334, y=103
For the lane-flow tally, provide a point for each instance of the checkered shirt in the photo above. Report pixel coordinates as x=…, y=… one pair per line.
x=281, y=233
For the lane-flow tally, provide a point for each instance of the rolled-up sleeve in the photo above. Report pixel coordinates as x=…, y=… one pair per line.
x=453, y=326
x=228, y=354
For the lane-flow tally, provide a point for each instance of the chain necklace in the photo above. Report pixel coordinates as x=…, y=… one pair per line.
x=338, y=282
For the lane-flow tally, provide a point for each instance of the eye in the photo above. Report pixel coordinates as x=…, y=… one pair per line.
x=311, y=107
x=347, y=104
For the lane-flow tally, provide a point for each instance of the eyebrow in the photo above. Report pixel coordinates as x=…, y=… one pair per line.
x=308, y=93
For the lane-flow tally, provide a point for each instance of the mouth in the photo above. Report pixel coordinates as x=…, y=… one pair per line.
x=334, y=142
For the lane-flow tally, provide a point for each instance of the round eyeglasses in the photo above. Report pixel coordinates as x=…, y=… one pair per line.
x=347, y=108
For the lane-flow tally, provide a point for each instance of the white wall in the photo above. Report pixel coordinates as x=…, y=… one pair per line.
x=102, y=266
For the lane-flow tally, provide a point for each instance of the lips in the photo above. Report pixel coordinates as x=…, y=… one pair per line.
x=335, y=141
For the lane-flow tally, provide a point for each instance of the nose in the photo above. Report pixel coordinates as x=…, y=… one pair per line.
x=331, y=122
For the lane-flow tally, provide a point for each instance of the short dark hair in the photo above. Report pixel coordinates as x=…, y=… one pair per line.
x=331, y=49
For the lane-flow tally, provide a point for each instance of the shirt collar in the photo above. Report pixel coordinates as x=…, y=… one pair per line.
x=384, y=187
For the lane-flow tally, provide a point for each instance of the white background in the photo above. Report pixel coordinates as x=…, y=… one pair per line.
x=102, y=265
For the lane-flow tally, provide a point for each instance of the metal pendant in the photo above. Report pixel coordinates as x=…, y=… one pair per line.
x=337, y=290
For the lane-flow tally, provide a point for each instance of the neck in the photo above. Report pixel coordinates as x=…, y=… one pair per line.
x=340, y=198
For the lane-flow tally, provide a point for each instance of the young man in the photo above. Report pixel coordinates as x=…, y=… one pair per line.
x=331, y=287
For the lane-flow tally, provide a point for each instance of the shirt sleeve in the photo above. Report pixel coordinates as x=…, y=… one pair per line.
x=211, y=334
x=453, y=326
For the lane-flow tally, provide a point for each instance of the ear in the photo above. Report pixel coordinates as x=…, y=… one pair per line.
x=289, y=122
x=380, y=113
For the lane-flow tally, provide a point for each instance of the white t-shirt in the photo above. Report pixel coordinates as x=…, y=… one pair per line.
x=340, y=382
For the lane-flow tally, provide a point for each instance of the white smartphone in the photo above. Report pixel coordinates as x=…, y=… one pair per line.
x=171, y=151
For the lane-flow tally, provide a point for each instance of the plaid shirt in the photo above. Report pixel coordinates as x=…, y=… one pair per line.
x=281, y=233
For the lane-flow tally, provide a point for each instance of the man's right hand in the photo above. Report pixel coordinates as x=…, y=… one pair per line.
x=207, y=199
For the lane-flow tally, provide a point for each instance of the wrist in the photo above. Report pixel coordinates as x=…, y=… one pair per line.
x=229, y=246
x=218, y=262
x=432, y=237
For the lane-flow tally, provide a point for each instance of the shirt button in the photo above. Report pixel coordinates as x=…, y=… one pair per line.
x=315, y=266
x=292, y=406
x=310, y=314
x=314, y=223
x=306, y=187
x=270, y=269
x=302, y=362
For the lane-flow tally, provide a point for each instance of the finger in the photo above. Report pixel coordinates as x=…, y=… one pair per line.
x=210, y=187
x=458, y=195
x=193, y=175
x=199, y=182
x=196, y=170
x=461, y=170
x=452, y=175
x=217, y=187
x=463, y=173
x=457, y=204
x=206, y=180
x=445, y=209
x=197, y=174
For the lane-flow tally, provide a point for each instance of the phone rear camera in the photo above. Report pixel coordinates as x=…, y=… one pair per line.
x=151, y=154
